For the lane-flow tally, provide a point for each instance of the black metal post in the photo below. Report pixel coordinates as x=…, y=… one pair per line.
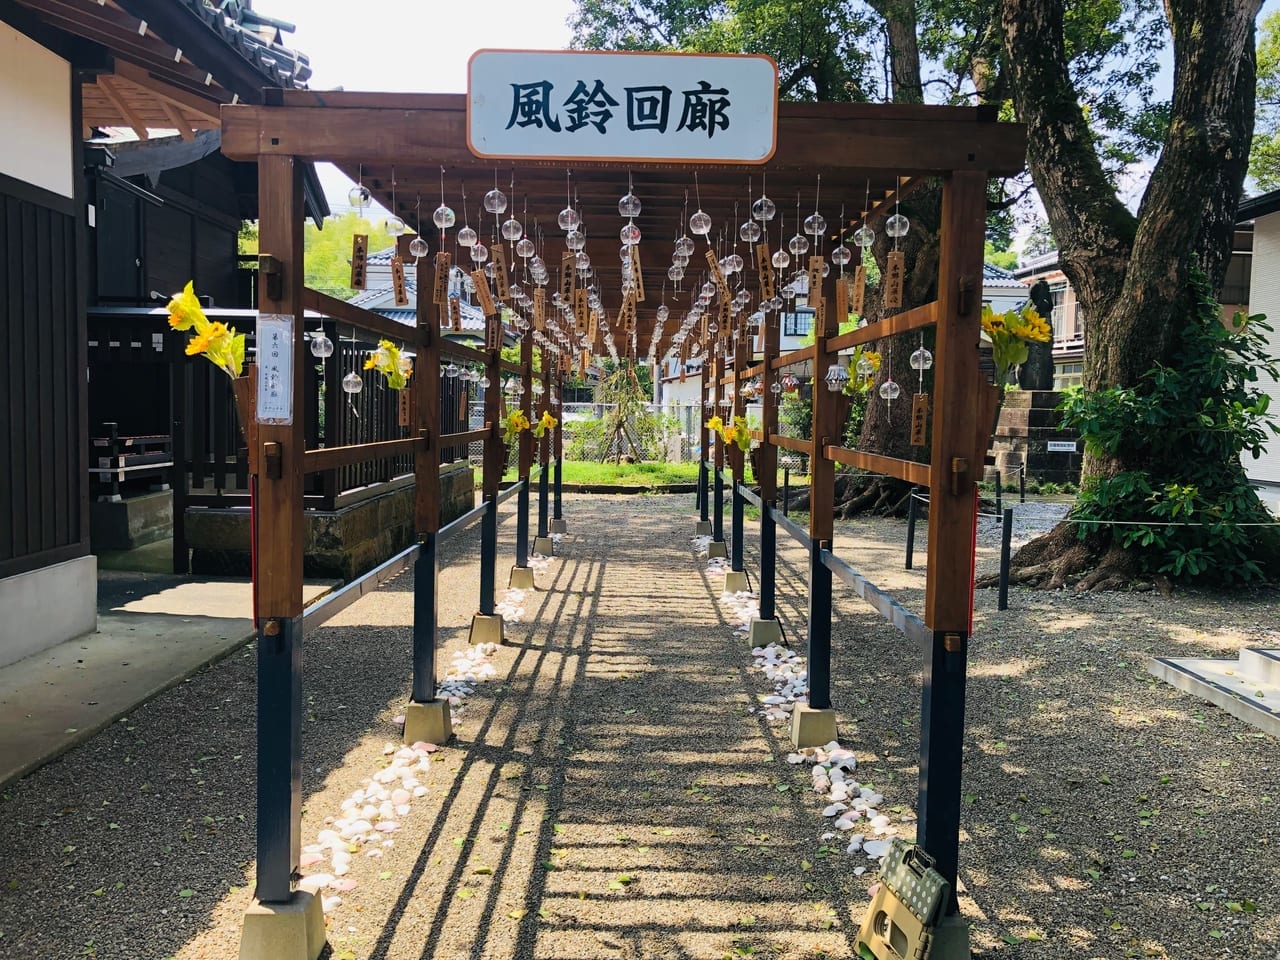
x=522, y=523
x=1022, y=483
x=942, y=752
x=786, y=491
x=279, y=757
x=999, y=492
x=911, y=527
x=1006, y=538
x=544, y=501
x=559, y=496
x=717, y=521
x=703, y=507
x=736, y=520
x=488, y=556
x=819, y=648
x=768, y=560
x=426, y=585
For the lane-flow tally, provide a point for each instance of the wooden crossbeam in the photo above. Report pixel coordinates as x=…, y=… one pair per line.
x=115, y=96
x=908, y=470
x=178, y=120
x=925, y=315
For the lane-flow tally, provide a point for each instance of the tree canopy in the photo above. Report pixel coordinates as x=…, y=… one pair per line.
x=1264, y=159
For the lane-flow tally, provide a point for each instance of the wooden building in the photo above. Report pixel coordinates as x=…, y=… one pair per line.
x=76, y=215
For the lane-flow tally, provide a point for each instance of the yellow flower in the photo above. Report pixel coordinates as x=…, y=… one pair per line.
x=185, y=310
x=201, y=341
x=715, y=423
x=370, y=363
x=729, y=434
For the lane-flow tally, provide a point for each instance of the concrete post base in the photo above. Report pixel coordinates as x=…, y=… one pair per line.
x=717, y=548
x=951, y=939
x=522, y=579
x=811, y=727
x=544, y=547
x=430, y=722
x=735, y=581
x=559, y=526
x=761, y=633
x=486, y=629
x=702, y=528
x=283, y=931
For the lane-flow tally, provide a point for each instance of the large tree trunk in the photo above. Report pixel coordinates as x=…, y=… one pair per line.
x=1130, y=272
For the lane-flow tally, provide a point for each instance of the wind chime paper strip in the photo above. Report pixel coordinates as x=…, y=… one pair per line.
x=492, y=333
x=397, y=282
x=842, y=300
x=404, y=406
x=440, y=282
x=764, y=265
x=500, y=272
x=359, y=260
x=919, y=419
x=717, y=275
x=815, y=275
x=894, y=277
x=540, y=308
x=483, y=295
x=455, y=314
x=581, y=309
x=568, y=278
x=858, y=296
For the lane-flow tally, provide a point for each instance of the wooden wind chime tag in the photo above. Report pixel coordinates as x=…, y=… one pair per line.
x=842, y=300
x=500, y=280
x=581, y=309
x=895, y=270
x=440, y=282
x=540, y=308
x=815, y=277
x=483, y=295
x=636, y=273
x=405, y=405
x=492, y=333
x=919, y=419
x=725, y=321
x=684, y=358
x=820, y=317
x=583, y=358
x=629, y=312
x=744, y=330
x=593, y=328
x=568, y=278
x=702, y=334
x=397, y=282
x=858, y=295
x=764, y=266
x=359, y=260
x=455, y=314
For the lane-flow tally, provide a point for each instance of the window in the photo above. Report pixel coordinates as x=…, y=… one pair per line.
x=1068, y=375
x=798, y=323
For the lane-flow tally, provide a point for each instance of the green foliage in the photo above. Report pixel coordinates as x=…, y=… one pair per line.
x=1006, y=259
x=1187, y=424
x=1264, y=158
x=628, y=425
x=327, y=252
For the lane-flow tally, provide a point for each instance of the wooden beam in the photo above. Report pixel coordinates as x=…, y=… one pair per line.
x=204, y=106
x=107, y=84
x=426, y=409
x=791, y=443
x=908, y=470
x=178, y=120
x=865, y=138
x=331, y=458
x=358, y=317
x=792, y=358
x=925, y=315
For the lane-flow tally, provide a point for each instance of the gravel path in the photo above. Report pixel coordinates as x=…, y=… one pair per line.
x=613, y=793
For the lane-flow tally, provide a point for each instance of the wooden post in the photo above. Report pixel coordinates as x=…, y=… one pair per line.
x=964, y=405
x=717, y=374
x=704, y=440
x=280, y=533
x=559, y=453
x=822, y=471
x=425, y=399
x=739, y=458
x=526, y=451
x=768, y=461
x=494, y=465
x=544, y=450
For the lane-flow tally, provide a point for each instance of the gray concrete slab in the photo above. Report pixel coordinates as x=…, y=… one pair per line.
x=153, y=632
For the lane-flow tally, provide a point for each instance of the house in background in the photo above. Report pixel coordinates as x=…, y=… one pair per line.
x=1069, y=322
x=71, y=76
x=1263, y=213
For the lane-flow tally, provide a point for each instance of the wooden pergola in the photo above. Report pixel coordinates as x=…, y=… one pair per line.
x=397, y=144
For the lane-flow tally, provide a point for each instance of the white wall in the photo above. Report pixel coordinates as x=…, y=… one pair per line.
x=1264, y=297
x=35, y=114
x=47, y=606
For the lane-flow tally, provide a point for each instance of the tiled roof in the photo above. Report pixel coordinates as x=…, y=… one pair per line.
x=256, y=38
x=381, y=301
x=993, y=276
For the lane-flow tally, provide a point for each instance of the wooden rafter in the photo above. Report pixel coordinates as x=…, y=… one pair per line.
x=205, y=107
x=115, y=96
x=178, y=120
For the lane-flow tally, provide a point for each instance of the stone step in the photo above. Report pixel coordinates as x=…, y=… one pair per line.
x=1261, y=663
x=1247, y=688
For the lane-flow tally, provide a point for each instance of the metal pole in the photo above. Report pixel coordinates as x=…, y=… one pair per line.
x=426, y=584
x=1006, y=537
x=736, y=558
x=522, y=523
x=703, y=507
x=488, y=556
x=786, y=491
x=999, y=492
x=819, y=652
x=942, y=750
x=717, y=528
x=911, y=528
x=544, y=501
x=559, y=497
x=279, y=757
x=768, y=560
x=1022, y=483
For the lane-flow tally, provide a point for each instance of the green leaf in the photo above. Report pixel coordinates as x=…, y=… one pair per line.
x=186, y=893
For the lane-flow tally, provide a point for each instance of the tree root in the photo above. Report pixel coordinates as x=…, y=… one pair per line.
x=1058, y=559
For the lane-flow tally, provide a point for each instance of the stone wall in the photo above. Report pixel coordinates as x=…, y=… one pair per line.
x=1028, y=421
x=339, y=544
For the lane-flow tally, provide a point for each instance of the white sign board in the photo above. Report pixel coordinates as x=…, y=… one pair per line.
x=591, y=105
x=1061, y=446
x=275, y=368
